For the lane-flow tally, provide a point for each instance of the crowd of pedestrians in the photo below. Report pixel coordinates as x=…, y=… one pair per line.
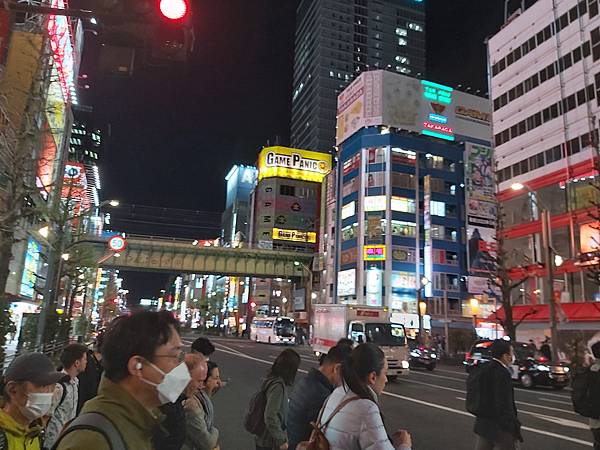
x=137, y=389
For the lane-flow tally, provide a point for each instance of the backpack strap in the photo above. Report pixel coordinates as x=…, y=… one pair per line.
x=98, y=422
x=335, y=411
x=3, y=440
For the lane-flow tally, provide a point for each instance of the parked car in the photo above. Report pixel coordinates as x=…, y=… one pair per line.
x=529, y=369
x=421, y=356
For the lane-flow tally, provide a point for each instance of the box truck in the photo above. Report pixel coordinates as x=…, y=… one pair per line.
x=361, y=324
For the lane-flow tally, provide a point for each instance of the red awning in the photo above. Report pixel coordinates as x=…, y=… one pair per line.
x=574, y=312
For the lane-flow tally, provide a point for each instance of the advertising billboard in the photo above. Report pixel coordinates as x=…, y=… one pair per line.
x=385, y=98
x=59, y=32
x=30, y=269
x=374, y=285
x=348, y=210
x=293, y=163
x=428, y=244
x=349, y=256
x=294, y=235
x=360, y=104
x=589, y=237
x=481, y=209
x=346, y=283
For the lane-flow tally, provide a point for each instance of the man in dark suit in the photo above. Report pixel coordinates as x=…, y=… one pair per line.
x=501, y=430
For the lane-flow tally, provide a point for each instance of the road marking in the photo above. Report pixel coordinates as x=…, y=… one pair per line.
x=518, y=402
x=438, y=376
x=464, y=413
x=437, y=369
x=432, y=405
x=555, y=401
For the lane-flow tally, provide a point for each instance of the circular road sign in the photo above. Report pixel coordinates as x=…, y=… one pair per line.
x=117, y=244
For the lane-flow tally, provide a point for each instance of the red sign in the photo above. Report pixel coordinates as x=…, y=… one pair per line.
x=117, y=244
x=367, y=313
x=4, y=32
x=440, y=128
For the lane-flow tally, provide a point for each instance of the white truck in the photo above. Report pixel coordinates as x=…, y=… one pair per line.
x=361, y=324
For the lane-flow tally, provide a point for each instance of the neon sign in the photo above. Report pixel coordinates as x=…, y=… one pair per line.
x=438, y=118
x=59, y=31
x=438, y=127
x=437, y=92
x=374, y=252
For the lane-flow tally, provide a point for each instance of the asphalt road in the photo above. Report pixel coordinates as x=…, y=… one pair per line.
x=428, y=404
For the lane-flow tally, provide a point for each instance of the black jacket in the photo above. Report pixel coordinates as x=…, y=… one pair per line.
x=306, y=401
x=171, y=434
x=89, y=380
x=503, y=415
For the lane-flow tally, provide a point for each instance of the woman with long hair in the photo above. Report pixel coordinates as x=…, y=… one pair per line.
x=352, y=413
x=276, y=386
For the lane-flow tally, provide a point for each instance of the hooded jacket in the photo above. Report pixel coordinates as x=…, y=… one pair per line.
x=19, y=437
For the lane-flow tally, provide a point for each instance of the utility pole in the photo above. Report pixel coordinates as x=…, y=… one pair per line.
x=549, y=257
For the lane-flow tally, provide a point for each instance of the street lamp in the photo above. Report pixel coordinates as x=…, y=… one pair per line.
x=474, y=303
x=44, y=231
x=421, y=308
x=550, y=259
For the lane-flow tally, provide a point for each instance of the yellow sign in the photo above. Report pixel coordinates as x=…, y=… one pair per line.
x=293, y=163
x=295, y=235
x=374, y=252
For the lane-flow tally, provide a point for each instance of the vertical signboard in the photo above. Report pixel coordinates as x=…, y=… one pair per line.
x=481, y=214
x=374, y=286
x=428, y=244
x=30, y=269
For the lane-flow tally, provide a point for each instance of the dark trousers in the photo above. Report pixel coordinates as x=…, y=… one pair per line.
x=596, y=434
x=263, y=448
x=504, y=441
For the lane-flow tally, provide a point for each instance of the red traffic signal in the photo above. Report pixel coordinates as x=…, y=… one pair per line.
x=174, y=9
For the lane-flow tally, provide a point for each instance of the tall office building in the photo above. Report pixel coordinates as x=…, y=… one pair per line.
x=336, y=40
x=545, y=76
x=235, y=221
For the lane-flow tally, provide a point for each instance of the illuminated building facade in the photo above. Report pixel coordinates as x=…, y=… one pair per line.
x=401, y=185
x=545, y=80
x=235, y=223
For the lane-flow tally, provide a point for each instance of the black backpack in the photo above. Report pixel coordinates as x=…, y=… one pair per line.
x=254, y=421
x=586, y=393
x=95, y=421
x=479, y=400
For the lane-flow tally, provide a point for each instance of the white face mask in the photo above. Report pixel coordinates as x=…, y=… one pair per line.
x=173, y=383
x=38, y=404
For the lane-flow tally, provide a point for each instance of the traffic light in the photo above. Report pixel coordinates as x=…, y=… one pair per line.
x=175, y=10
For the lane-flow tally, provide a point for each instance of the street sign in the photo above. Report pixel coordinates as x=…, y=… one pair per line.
x=117, y=244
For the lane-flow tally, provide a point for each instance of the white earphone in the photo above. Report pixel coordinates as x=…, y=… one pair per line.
x=138, y=366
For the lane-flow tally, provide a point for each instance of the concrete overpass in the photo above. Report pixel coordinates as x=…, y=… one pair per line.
x=159, y=254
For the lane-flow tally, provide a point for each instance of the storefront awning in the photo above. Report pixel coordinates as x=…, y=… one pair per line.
x=566, y=312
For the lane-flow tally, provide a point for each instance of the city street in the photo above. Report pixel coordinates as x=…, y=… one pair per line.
x=429, y=405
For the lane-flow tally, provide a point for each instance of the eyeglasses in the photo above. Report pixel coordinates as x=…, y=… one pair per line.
x=179, y=356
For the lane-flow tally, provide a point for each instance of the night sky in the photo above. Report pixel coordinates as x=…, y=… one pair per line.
x=175, y=131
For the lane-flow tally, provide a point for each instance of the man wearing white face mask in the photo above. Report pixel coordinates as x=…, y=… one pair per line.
x=28, y=386
x=144, y=368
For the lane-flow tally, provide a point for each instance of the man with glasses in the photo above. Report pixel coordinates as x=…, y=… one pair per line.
x=143, y=369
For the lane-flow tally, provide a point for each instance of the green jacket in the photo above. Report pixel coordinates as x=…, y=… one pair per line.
x=18, y=436
x=133, y=420
x=276, y=411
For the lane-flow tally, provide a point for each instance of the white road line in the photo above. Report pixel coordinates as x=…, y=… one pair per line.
x=432, y=405
x=556, y=420
x=555, y=401
x=429, y=374
x=518, y=402
x=464, y=374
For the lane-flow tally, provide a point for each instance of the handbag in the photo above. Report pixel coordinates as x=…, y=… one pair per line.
x=317, y=440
